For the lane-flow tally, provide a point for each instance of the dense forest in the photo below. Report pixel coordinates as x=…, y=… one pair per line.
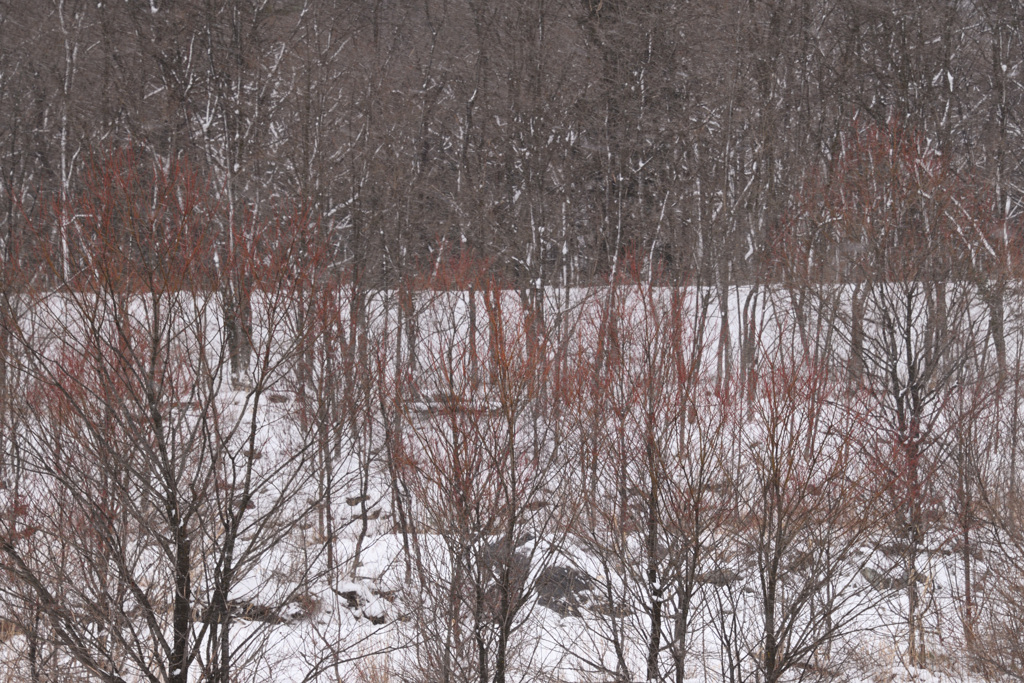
x=553, y=136
x=522, y=340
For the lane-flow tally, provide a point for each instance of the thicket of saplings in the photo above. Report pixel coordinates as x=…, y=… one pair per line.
x=204, y=436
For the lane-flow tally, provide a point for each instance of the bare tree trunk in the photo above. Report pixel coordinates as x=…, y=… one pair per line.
x=474, y=357
x=855, y=363
x=654, y=577
x=994, y=295
x=724, y=337
x=182, y=617
x=751, y=338
x=237, y=308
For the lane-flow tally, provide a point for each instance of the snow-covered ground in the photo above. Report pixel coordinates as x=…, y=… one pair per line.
x=655, y=486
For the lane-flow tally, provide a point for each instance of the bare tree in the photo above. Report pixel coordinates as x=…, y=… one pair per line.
x=485, y=466
x=141, y=477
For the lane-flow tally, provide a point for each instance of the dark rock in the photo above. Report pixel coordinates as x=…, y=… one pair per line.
x=357, y=600
x=351, y=599
x=563, y=589
x=884, y=582
x=615, y=610
x=302, y=607
x=255, y=612
x=719, y=577
x=495, y=556
x=244, y=610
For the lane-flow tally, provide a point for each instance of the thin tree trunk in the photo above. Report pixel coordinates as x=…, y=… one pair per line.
x=653, y=573
x=855, y=365
x=182, y=616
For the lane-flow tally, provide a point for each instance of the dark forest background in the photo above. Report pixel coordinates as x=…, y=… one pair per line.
x=553, y=137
